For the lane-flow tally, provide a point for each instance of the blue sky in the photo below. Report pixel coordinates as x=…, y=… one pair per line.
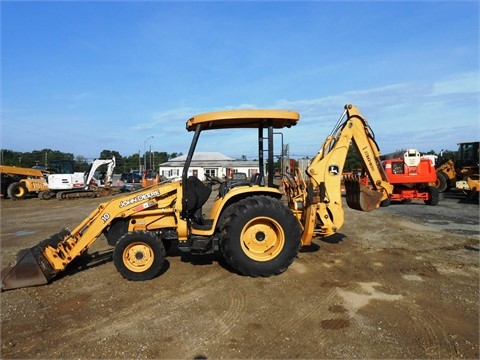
x=81, y=77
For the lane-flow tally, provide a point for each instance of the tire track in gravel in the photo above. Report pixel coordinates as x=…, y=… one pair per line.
x=164, y=305
x=156, y=304
x=434, y=339
x=320, y=310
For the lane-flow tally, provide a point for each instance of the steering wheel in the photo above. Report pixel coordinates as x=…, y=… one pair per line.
x=212, y=180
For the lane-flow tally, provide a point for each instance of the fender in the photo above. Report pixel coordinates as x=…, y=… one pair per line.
x=234, y=195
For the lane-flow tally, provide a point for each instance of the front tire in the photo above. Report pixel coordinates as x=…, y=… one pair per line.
x=385, y=203
x=17, y=191
x=139, y=256
x=260, y=237
x=434, y=196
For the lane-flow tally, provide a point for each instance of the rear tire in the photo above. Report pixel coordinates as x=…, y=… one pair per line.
x=17, y=191
x=139, y=256
x=260, y=237
x=434, y=196
x=442, y=182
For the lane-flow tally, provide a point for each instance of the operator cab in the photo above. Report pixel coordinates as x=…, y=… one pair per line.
x=265, y=121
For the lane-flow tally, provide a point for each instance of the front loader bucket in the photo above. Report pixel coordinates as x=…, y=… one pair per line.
x=26, y=272
x=32, y=268
x=359, y=196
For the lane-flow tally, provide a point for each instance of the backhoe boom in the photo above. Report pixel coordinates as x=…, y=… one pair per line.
x=317, y=201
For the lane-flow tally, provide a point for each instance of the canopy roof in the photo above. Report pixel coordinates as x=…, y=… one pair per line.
x=243, y=119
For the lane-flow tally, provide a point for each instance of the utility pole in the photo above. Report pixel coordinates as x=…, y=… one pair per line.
x=144, y=152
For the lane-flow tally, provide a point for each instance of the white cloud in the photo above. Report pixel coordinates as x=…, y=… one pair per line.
x=405, y=115
x=458, y=84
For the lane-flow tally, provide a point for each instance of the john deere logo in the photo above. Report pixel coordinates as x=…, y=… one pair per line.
x=334, y=170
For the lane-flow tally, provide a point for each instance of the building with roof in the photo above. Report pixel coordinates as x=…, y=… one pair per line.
x=210, y=163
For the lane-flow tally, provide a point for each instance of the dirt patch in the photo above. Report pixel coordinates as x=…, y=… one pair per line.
x=388, y=286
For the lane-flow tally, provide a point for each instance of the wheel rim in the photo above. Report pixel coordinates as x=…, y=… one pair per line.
x=19, y=191
x=262, y=239
x=138, y=256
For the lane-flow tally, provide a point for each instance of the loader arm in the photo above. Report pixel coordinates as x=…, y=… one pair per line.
x=317, y=201
x=39, y=264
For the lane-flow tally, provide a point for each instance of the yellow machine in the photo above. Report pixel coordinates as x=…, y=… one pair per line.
x=254, y=229
x=465, y=165
x=470, y=186
x=18, y=182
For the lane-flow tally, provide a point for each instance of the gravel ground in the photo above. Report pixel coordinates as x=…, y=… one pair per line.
x=399, y=282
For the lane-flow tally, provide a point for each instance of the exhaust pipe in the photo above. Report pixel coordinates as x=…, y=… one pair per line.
x=32, y=268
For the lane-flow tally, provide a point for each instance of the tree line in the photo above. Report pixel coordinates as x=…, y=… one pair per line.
x=42, y=158
x=150, y=159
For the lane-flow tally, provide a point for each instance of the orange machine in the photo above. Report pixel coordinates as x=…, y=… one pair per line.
x=413, y=178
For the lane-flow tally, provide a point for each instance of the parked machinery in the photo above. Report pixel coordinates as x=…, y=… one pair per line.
x=249, y=224
x=19, y=182
x=68, y=184
x=465, y=164
x=470, y=186
x=413, y=178
x=150, y=178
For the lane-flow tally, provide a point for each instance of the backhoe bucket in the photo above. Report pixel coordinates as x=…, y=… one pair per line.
x=359, y=196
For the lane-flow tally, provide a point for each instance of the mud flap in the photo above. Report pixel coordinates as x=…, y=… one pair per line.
x=359, y=196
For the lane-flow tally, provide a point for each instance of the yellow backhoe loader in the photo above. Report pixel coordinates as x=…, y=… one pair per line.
x=256, y=231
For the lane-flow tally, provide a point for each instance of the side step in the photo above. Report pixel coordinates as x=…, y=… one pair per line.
x=199, y=245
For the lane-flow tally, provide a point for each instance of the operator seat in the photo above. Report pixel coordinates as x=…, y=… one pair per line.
x=197, y=195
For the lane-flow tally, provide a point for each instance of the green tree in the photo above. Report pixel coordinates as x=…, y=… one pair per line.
x=119, y=160
x=81, y=163
x=161, y=157
x=445, y=155
x=174, y=155
x=353, y=160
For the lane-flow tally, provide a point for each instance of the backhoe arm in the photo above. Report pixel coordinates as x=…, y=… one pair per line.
x=95, y=165
x=319, y=205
